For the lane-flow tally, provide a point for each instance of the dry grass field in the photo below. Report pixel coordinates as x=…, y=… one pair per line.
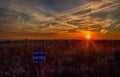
x=64, y=58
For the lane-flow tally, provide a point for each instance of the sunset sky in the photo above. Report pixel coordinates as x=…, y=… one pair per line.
x=59, y=19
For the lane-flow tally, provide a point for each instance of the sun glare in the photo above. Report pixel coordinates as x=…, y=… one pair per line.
x=88, y=37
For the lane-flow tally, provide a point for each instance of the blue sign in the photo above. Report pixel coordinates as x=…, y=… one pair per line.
x=39, y=56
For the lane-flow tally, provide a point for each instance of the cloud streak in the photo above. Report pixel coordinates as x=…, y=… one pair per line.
x=57, y=19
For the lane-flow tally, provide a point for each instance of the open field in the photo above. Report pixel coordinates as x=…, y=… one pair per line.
x=64, y=58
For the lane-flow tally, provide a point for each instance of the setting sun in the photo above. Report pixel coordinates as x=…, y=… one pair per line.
x=88, y=37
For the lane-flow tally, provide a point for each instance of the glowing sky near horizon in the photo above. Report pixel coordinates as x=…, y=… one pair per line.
x=59, y=19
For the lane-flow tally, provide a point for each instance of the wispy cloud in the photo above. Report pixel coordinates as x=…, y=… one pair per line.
x=58, y=18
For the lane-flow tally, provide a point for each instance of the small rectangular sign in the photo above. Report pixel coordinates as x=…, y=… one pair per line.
x=39, y=56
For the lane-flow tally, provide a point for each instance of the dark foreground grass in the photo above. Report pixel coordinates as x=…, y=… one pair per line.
x=64, y=58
